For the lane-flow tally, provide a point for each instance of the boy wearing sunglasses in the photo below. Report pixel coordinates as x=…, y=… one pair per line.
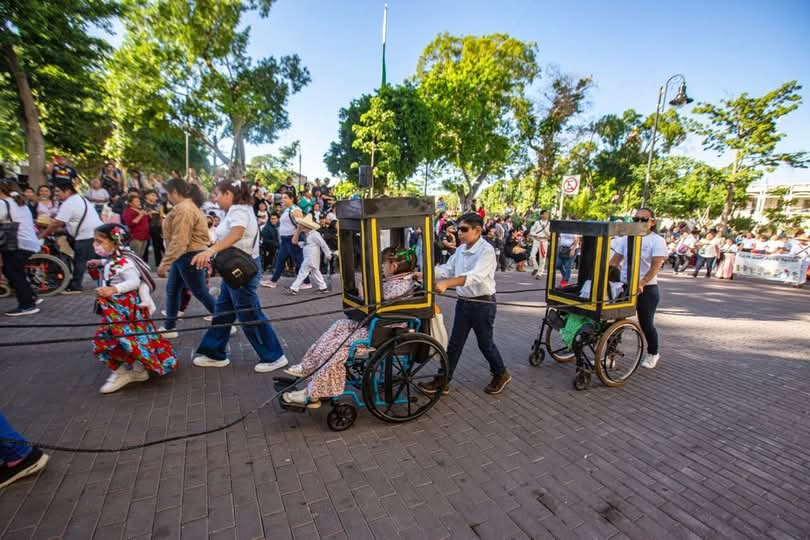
x=653, y=255
x=471, y=270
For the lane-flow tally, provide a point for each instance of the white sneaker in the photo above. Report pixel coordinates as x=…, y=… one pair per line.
x=179, y=313
x=168, y=334
x=214, y=291
x=650, y=360
x=266, y=367
x=117, y=380
x=234, y=330
x=208, y=318
x=268, y=283
x=204, y=361
x=139, y=373
x=296, y=371
x=299, y=397
x=305, y=286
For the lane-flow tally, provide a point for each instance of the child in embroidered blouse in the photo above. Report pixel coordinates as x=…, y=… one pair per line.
x=126, y=341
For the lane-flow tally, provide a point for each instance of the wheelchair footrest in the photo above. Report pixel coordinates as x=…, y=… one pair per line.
x=282, y=383
x=292, y=407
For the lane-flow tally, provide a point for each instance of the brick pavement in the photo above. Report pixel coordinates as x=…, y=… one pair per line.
x=715, y=443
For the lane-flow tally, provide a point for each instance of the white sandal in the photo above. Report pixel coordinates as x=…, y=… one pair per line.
x=295, y=371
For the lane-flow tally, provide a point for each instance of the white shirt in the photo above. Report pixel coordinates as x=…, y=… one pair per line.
x=748, y=243
x=539, y=229
x=313, y=245
x=26, y=233
x=652, y=245
x=70, y=213
x=285, y=222
x=209, y=206
x=101, y=195
x=477, y=264
x=567, y=239
x=241, y=215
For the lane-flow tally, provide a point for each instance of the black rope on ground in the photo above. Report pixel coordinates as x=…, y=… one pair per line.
x=154, y=319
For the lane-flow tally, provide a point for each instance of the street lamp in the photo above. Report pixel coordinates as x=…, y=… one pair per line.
x=680, y=99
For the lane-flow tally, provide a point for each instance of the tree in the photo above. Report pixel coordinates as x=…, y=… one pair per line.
x=186, y=63
x=374, y=135
x=685, y=187
x=747, y=127
x=542, y=125
x=412, y=133
x=473, y=86
x=54, y=61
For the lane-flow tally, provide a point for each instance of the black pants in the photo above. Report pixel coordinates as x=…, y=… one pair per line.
x=156, y=235
x=82, y=252
x=14, y=269
x=646, y=306
x=268, y=256
x=480, y=318
x=681, y=262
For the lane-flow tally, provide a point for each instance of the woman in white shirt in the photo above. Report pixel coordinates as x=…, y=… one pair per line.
x=238, y=229
x=13, y=209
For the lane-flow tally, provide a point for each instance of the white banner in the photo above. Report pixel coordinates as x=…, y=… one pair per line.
x=782, y=268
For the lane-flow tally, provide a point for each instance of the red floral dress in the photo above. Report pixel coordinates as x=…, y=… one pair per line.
x=133, y=339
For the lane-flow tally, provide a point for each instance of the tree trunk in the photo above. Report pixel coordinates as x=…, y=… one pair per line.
x=34, y=141
x=238, y=165
x=731, y=189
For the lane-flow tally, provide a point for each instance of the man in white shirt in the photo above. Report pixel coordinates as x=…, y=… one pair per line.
x=471, y=270
x=539, y=233
x=653, y=255
x=80, y=219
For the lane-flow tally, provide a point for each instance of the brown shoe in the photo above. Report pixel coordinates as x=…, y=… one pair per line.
x=433, y=386
x=498, y=383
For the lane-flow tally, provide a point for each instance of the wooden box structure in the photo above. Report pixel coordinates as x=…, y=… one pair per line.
x=599, y=240
x=365, y=228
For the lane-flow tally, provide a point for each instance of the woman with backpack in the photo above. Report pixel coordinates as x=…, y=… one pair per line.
x=18, y=246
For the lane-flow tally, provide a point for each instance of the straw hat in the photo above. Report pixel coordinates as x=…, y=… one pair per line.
x=308, y=222
x=43, y=220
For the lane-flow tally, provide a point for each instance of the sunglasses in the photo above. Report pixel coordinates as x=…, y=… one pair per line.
x=641, y=219
x=463, y=229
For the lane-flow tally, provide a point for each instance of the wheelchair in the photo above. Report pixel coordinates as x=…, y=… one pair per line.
x=384, y=370
x=584, y=320
x=383, y=373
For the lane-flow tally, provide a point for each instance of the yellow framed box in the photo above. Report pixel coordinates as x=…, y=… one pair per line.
x=598, y=242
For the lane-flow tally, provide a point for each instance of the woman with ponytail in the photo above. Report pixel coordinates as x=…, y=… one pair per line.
x=14, y=210
x=238, y=229
x=185, y=231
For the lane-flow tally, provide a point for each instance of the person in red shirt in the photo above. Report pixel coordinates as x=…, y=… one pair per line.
x=137, y=220
x=481, y=212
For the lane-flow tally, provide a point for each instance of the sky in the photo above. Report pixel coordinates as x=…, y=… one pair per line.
x=723, y=48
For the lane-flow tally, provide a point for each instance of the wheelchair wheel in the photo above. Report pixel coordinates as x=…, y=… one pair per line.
x=392, y=376
x=537, y=354
x=47, y=274
x=556, y=347
x=618, y=352
x=341, y=417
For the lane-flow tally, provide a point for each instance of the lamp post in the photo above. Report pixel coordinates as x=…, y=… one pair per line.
x=680, y=99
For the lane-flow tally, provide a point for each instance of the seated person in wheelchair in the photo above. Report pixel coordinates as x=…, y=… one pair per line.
x=399, y=279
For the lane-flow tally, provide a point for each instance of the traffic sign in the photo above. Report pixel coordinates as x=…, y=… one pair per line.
x=570, y=184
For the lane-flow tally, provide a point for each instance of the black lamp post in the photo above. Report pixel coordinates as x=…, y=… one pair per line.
x=680, y=99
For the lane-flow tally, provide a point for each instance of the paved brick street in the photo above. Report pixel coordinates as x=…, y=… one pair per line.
x=714, y=443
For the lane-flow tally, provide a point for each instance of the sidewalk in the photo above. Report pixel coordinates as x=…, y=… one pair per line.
x=714, y=443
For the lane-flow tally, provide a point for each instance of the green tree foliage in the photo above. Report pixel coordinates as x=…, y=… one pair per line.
x=412, y=134
x=542, y=125
x=778, y=217
x=473, y=86
x=54, y=62
x=374, y=135
x=685, y=188
x=186, y=64
x=270, y=170
x=746, y=127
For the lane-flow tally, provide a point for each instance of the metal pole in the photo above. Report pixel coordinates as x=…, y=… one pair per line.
x=426, y=177
x=652, y=147
x=186, y=153
x=562, y=202
x=371, y=193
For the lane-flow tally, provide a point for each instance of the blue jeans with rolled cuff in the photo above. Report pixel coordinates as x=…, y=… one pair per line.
x=183, y=274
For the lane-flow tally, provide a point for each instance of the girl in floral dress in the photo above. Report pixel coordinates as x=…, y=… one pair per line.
x=124, y=298
x=399, y=280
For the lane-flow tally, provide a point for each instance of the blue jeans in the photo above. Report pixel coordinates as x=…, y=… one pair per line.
x=480, y=318
x=287, y=249
x=564, y=266
x=182, y=274
x=708, y=261
x=261, y=336
x=11, y=452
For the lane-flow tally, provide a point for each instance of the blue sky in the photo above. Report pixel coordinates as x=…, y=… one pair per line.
x=629, y=48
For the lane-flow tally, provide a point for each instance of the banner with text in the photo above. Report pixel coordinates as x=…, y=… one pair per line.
x=782, y=268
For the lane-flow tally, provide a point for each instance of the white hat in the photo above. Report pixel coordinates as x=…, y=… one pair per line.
x=308, y=222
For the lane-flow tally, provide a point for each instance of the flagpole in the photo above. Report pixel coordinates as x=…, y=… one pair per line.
x=384, y=36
